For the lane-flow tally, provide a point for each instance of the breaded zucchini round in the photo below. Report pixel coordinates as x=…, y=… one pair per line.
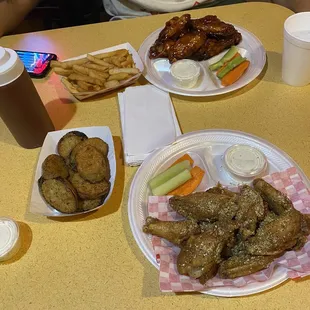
x=53, y=167
x=68, y=142
x=91, y=164
x=87, y=190
x=59, y=194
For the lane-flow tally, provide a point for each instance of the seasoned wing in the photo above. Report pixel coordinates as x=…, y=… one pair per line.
x=277, y=201
x=204, y=206
x=220, y=190
x=175, y=232
x=251, y=210
x=211, y=25
x=277, y=236
x=213, y=47
x=239, y=266
x=201, y=254
x=186, y=46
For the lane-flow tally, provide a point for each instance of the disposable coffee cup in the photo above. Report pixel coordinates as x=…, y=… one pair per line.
x=296, y=50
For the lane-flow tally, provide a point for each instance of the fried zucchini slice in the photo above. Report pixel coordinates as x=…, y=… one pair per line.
x=59, y=194
x=53, y=167
x=91, y=164
x=97, y=143
x=87, y=190
x=68, y=142
x=89, y=204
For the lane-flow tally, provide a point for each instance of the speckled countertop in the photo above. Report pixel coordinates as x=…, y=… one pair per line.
x=93, y=262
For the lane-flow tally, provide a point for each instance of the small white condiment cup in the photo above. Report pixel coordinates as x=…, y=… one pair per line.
x=296, y=50
x=244, y=161
x=185, y=73
x=9, y=238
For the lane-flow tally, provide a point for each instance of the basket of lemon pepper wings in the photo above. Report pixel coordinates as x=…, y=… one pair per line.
x=232, y=238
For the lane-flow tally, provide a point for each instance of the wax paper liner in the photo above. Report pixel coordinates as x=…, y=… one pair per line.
x=295, y=264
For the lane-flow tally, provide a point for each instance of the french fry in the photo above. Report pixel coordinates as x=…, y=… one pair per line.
x=122, y=53
x=111, y=84
x=57, y=64
x=96, y=67
x=98, y=61
x=81, y=69
x=118, y=76
x=70, y=63
x=124, y=70
x=117, y=61
x=80, y=89
x=96, y=75
x=84, y=85
x=127, y=62
x=69, y=85
x=85, y=78
x=63, y=72
x=113, y=53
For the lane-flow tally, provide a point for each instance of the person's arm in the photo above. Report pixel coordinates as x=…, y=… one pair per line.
x=301, y=5
x=12, y=12
x=295, y=5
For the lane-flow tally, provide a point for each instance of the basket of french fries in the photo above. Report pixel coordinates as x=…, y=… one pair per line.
x=100, y=72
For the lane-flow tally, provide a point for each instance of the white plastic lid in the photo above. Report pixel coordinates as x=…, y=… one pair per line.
x=185, y=71
x=9, y=234
x=245, y=161
x=297, y=29
x=11, y=67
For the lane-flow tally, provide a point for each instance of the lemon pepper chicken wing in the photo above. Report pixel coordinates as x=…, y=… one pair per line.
x=175, y=232
x=251, y=210
x=239, y=266
x=277, y=236
x=277, y=201
x=204, y=206
x=201, y=254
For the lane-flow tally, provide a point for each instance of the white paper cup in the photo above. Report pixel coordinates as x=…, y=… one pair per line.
x=296, y=50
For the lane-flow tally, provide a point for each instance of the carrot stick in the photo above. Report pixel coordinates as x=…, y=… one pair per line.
x=225, y=64
x=235, y=74
x=188, y=187
x=184, y=157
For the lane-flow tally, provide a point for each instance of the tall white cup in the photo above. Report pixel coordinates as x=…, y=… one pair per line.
x=296, y=50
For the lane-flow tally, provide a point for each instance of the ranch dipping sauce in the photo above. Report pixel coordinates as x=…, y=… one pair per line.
x=244, y=161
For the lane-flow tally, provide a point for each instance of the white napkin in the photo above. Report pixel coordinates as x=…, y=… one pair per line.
x=148, y=122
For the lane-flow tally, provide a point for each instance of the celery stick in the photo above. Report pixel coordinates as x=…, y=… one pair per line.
x=231, y=65
x=173, y=183
x=229, y=55
x=169, y=173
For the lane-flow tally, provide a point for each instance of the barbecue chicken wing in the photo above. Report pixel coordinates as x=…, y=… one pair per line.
x=197, y=39
x=201, y=254
x=186, y=46
x=175, y=27
x=175, y=232
x=213, y=47
x=212, y=26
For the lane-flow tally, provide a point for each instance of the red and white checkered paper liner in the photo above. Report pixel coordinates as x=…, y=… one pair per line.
x=296, y=264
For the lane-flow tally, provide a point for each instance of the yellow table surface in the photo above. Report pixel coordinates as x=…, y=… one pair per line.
x=93, y=262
